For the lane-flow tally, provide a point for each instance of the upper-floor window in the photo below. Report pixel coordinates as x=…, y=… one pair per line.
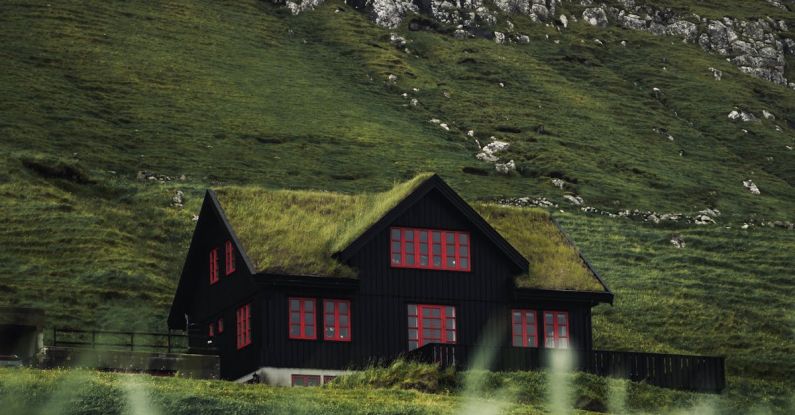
x=430, y=324
x=556, y=329
x=337, y=320
x=230, y=258
x=302, y=318
x=524, y=328
x=429, y=249
x=244, y=326
x=213, y=265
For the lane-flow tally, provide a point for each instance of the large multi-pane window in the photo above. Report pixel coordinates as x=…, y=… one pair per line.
x=302, y=318
x=524, y=328
x=230, y=258
x=429, y=249
x=244, y=326
x=213, y=266
x=556, y=330
x=430, y=324
x=337, y=320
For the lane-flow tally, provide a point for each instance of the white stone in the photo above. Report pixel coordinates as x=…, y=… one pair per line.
x=749, y=184
x=505, y=168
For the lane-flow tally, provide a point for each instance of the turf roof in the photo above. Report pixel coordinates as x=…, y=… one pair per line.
x=297, y=232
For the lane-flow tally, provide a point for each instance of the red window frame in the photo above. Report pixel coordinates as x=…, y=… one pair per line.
x=210, y=330
x=220, y=325
x=230, y=258
x=524, y=328
x=430, y=249
x=305, y=380
x=305, y=318
x=213, y=266
x=557, y=332
x=337, y=320
x=425, y=320
x=243, y=326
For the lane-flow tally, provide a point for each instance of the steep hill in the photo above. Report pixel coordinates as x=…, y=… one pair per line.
x=109, y=110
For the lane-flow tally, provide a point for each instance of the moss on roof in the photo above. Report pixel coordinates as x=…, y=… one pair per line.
x=296, y=232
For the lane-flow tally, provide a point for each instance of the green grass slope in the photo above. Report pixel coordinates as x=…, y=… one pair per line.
x=242, y=93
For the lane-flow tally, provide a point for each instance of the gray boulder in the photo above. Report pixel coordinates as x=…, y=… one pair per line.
x=595, y=16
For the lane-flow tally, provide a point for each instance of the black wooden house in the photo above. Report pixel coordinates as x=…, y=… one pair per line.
x=295, y=287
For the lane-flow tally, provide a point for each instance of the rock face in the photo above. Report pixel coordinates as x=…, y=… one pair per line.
x=757, y=46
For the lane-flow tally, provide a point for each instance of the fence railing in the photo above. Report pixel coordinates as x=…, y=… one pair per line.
x=693, y=373
x=128, y=340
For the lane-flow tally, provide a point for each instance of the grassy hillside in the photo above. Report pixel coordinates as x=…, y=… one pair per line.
x=243, y=93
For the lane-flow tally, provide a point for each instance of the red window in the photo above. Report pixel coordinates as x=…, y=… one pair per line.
x=524, y=328
x=302, y=318
x=337, y=320
x=305, y=380
x=230, y=258
x=429, y=249
x=556, y=329
x=213, y=265
x=220, y=325
x=244, y=326
x=431, y=324
x=210, y=332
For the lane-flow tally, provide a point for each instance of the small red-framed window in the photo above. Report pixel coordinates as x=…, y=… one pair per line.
x=305, y=380
x=210, y=330
x=302, y=318
x=429, y=249
x=556, y=329
x=230, y=258
x=337, y=320
x=524, y=328
x=431, y=324
x=220, y=325
x=243, y=326
x=213, y=265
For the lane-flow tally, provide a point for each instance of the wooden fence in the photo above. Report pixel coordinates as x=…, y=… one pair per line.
x=128, y=340
x=692, y=373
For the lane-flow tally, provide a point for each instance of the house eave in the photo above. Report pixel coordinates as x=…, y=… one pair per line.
x=305, y=281
x=536, y=294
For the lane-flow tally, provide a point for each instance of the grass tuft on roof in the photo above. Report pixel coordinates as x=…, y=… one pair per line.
x=297, y=231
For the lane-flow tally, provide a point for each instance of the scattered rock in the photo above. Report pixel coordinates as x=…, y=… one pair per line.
x=397, y=40
x=523, y=39
x=499, y=37
x=595, y=17
x=471, y=133
x=559, y=183
x=768, y=115
x=489, y=151
x=741, y=115
x=414, y=102
x=749, y=184
x=717, y=73
x=505, y=168
x=392, y=78
x=677, y=241
x=178, y=200
x=444, y=126
x=574, y=199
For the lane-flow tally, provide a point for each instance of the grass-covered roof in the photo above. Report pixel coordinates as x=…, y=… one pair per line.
x=296, y=232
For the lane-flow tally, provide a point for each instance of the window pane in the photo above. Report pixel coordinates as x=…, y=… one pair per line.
x=343, y=333
x=295, y=330
x=464, y=263
x=343, y=320
x=437, y=237
x=294, y=305
x=328, y=306
x=449, y=311
x=548, y=318
x=308, y=319
x=437, y=249
x=329, y=332
x=450, y=237
x=431, y=312
x=451, y=262
x=424, y=260
x=309, y=331
x=430, y=323
x=549, y=343
x=309, y=305
x=409, y=248
x=412, y=334
x=437, y=261
x=517, y=317
x=412, y=309
x=517, y=329
x=450, y=335
x=450, y=250
x=295, y=318
x=412, y=345
x=409, y=260
x=395, y=246
x=423, y=236
x=550, y=332
x=423, y=248
x=408, y=235
x=343, y=306
x=463, y=238
x=436, y=334
x=412, y=321
x=313, y=381
x=426, y=333
x=562, y=318
x=531, y=341
x=450, y=324
x=563, y=331
x=517, y=341
x=462, y=251
x=531, y=317
x=396, y=258
x=395, y=234
x=329, y=319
